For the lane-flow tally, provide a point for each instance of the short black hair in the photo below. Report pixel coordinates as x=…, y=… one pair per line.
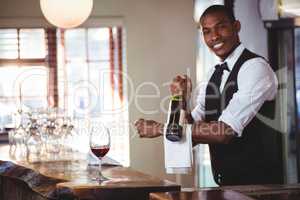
x=219, y=8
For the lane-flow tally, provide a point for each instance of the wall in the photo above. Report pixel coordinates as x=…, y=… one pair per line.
x=253, y=34
x=160, y=44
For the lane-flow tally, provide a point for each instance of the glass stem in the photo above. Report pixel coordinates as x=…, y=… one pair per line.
x=100, y=175
x=99, y=168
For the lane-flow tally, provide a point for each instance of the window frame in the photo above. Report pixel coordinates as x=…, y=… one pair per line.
x=31, y=62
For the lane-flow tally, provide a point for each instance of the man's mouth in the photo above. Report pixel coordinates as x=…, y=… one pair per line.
x=218, y=46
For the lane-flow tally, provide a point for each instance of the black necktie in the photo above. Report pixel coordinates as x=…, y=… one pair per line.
x=217, y=75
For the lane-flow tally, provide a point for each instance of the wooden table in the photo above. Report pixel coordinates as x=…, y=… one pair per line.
x=200, y=195
x=247, y=192
x=73, y=180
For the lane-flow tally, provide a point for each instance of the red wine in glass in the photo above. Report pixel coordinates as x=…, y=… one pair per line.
x=99, y=145
x=101, y=151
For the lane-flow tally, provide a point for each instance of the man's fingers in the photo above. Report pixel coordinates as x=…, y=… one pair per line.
x=138, y=122
x=174, y=88
x=147, y=128
x=181, y=77
x=177, y=78
x=139, y=125
x=184, y=77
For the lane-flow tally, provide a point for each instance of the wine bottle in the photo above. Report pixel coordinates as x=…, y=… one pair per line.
x=175, y=120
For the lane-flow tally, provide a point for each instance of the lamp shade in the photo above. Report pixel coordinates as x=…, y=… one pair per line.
x=66, y=13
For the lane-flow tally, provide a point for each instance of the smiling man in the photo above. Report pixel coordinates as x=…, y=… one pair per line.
x=240, y=89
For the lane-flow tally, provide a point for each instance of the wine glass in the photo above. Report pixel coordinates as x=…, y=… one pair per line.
x=100, y=145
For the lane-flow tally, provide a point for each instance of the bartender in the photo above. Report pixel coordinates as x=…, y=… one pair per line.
x=237, y=91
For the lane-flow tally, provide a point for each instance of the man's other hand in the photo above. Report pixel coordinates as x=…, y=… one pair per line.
x=181, y=85
x=149, y=128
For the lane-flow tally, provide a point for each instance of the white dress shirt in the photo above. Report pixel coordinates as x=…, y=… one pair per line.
x=256, y=82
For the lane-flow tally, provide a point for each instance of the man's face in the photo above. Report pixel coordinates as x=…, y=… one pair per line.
x=220, y=34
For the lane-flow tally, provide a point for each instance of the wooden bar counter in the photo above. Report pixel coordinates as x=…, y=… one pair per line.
x=246, y=192
x=66, y=180
x=200, y=195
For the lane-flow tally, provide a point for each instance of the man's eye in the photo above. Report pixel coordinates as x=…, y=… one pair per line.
x=221, y=26
x=205, y=32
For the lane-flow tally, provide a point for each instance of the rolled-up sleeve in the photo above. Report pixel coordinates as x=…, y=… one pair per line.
x=257, y=83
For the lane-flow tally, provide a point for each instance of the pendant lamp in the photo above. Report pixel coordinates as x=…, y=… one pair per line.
x=66, y=13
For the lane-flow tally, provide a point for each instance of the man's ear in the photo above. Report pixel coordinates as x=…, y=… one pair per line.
x=237, y=25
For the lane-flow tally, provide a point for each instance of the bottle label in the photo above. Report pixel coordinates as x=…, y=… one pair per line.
x=176, y=98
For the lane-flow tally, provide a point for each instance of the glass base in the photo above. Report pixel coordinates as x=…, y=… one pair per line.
x=100, y=178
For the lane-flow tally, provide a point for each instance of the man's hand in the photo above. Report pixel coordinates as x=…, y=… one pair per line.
x=149, y=128
x=181, y=85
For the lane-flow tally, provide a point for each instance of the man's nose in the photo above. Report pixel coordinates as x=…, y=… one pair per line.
x=215, y=35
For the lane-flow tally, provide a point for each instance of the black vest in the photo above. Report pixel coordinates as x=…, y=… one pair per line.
x=246, y=159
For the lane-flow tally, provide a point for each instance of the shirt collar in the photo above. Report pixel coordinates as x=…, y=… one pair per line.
x=232, y=58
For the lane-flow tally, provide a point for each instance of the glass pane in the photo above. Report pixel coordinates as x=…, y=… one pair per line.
x=77, y=75
x=95, y=71
x=98, y=43
x=77, y=71
x=98, y=81
x=32, y=43
x=8, y=43
x=22, y=84
x=75, y=44
x=34, y=87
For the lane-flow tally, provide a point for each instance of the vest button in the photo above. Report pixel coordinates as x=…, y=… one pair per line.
x=219, y=178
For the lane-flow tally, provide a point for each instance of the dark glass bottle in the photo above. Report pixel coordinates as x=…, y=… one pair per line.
x=175, y=120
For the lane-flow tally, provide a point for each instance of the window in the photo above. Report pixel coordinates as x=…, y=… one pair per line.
x=77, y=70
x=23, y=72
x=90, y=70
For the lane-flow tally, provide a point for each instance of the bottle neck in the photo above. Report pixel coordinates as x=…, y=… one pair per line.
x=180, y=99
